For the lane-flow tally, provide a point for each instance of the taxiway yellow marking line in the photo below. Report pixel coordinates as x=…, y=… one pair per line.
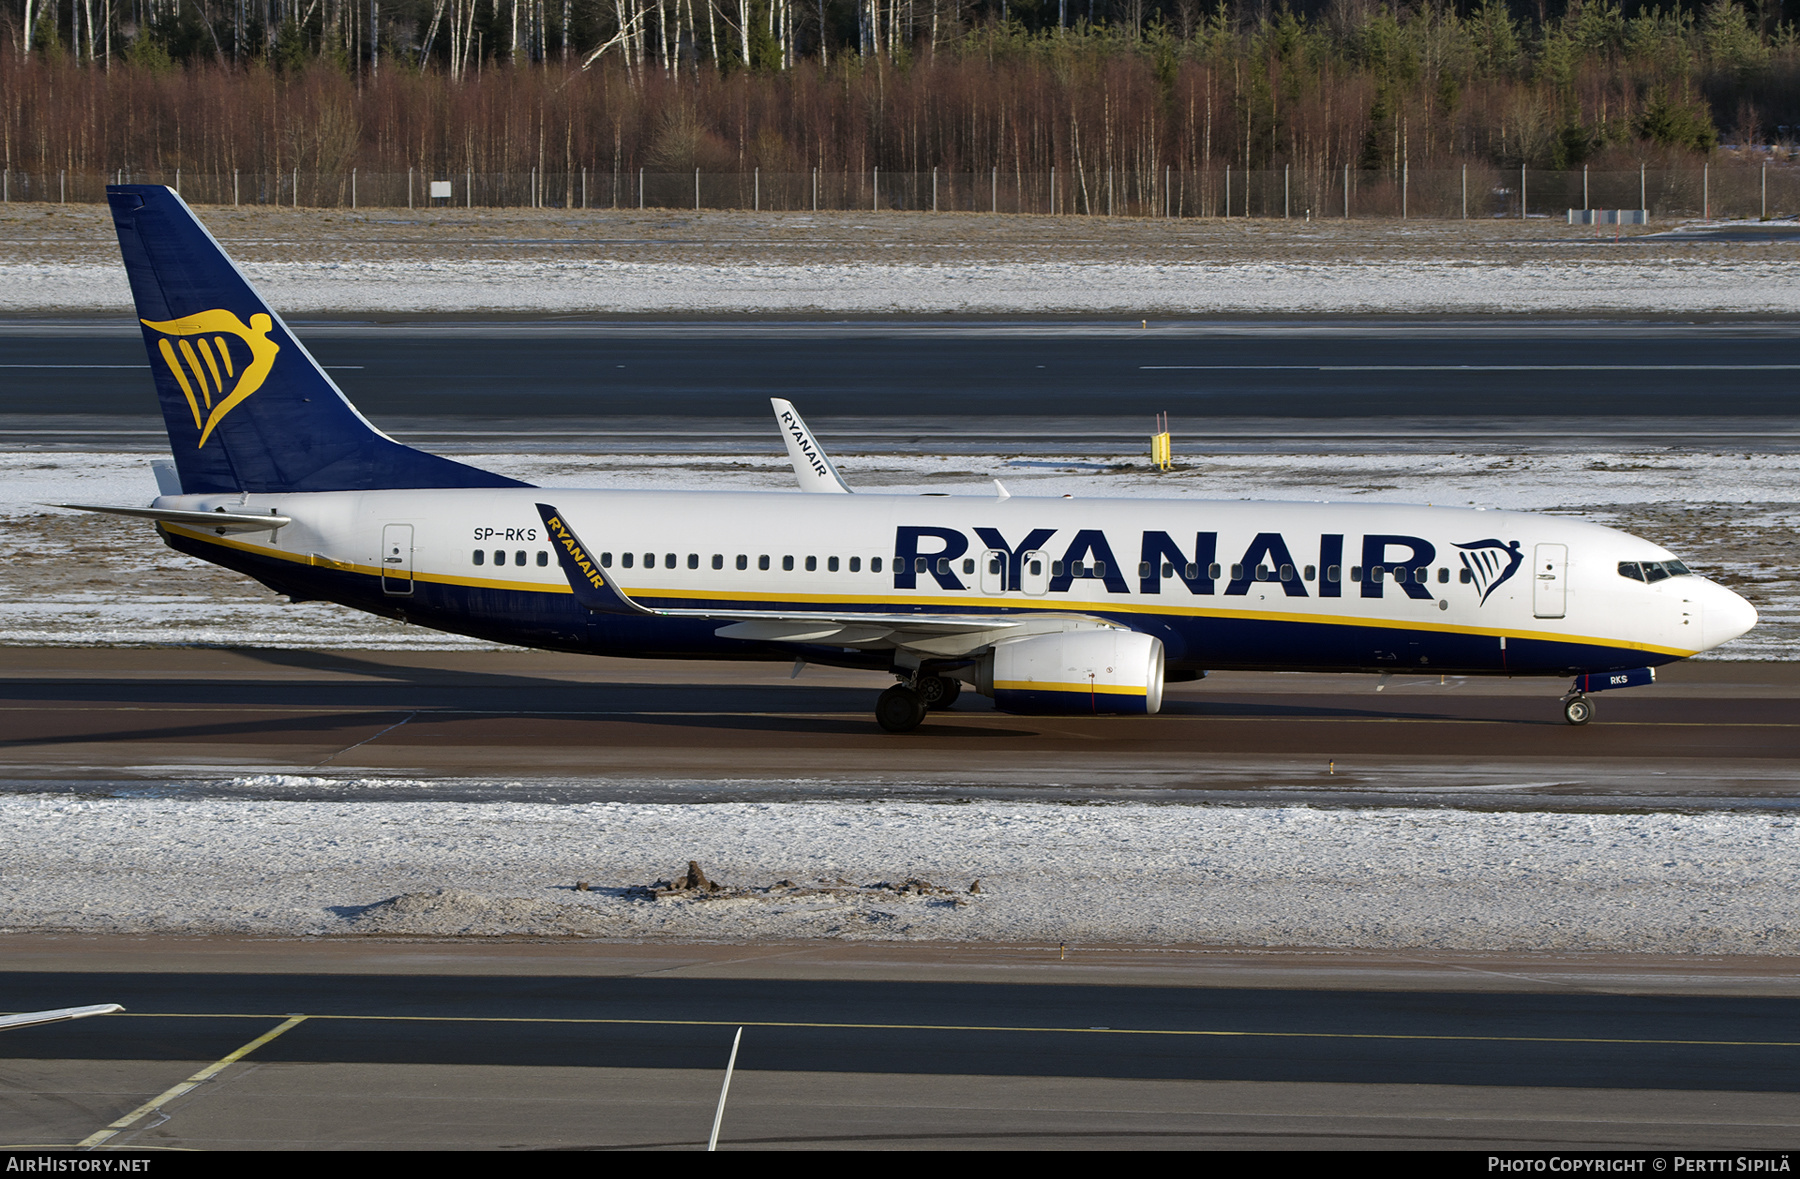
x=212, y=1070
x=953, y=1027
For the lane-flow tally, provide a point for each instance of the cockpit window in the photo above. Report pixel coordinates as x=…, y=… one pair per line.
x=1652, y=571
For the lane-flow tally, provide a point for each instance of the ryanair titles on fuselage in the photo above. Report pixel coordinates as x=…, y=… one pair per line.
x=935, y=552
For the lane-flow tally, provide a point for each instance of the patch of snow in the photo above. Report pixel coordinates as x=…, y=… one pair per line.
x=1724, y=882
x=1661, y=286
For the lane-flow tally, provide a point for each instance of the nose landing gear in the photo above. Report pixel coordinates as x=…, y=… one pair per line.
x=1577, y=709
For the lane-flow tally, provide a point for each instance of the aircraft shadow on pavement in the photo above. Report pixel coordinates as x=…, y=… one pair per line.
x=336, y=661
x=353, y=728
x=654, y=703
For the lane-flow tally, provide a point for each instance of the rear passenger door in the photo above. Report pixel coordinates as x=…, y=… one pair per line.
x=396, y=559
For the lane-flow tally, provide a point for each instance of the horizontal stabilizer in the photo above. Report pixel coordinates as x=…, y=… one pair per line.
x=221, y=521
x=31, y=1019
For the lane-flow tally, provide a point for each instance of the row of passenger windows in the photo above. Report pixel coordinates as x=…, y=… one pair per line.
x=1333, y=573
x=673, y=561
x=1096, y=569
x=520, y=557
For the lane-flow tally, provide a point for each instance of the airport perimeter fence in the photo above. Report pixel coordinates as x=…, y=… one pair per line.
x=1730, y=190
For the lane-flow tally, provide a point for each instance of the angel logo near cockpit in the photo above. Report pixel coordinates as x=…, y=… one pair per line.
x=1483, y=560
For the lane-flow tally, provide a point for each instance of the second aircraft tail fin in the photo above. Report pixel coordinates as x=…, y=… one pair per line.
x=812, y=466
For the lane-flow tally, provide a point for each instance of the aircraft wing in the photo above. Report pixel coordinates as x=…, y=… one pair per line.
x=220, y=521
x=947, y=635
x=812, y=466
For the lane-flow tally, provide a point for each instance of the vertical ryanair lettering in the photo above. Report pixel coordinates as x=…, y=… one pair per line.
x=574, y=549
x=804, y=443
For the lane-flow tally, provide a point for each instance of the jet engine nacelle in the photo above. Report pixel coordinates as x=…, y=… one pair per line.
x=1081, y=671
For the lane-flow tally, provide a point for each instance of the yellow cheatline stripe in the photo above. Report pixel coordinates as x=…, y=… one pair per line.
x=168, y=355
x=958, y=1027
x=99, y=1137
x=647, y=595
x=559, y=586
x=1048, y=686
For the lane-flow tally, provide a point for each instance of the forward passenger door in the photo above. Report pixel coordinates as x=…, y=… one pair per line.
x=1549, y=584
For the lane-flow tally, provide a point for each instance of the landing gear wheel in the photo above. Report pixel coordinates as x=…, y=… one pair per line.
x=1578, y=710
x=899, y=709
x=938, y=691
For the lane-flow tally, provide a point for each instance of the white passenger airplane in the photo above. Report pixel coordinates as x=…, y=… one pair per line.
x=1046, y=605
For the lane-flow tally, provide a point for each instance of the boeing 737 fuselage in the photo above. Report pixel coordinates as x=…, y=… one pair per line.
x=1046, y=605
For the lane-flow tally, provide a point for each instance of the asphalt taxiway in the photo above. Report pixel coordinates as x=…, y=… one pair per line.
x=570, y=727
x=361, y=1043
x=1072, y=385
x=572, y=1046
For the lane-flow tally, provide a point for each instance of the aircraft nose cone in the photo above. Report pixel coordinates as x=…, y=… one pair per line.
x=1727, y=616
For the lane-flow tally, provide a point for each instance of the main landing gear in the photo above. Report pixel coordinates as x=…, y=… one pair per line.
x=1577, y=709
x=902, y=707
x=938, y=691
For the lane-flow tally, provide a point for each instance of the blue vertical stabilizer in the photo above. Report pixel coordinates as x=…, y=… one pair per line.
x=247, y=407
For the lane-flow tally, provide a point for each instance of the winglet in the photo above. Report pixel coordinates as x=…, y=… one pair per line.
x=594, y=590
x=812, y=467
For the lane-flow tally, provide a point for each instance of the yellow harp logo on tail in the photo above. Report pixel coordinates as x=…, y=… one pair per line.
x=197, y=349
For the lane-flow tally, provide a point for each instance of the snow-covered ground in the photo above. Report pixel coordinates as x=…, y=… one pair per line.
x=1396, y=878
x=71, y=578
x=1726, y=282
